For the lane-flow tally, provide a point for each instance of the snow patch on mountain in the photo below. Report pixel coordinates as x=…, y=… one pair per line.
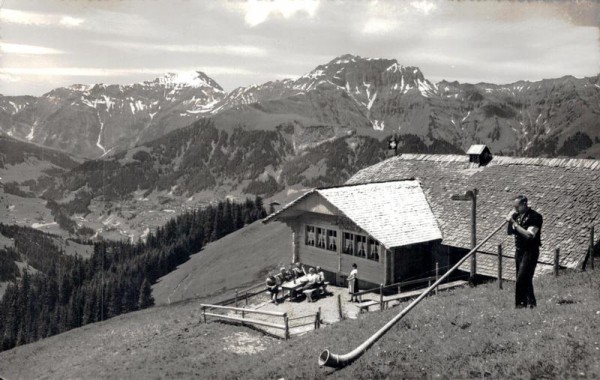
x=371, y=99
x=30, y=135
x=378, y=125
x=14, y=106
x=194, y=79
x=80, y=87
x=465, y=118
x=98, y=142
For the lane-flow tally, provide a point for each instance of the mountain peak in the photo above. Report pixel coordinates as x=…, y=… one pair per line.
x=80, y=87
x=345, y=58
x=186, y=79
x=351, y=58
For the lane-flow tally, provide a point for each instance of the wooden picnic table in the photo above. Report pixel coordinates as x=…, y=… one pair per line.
x=292, y=286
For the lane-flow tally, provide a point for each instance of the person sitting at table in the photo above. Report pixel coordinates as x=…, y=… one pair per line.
x=321, y=280
x=298, y=271
x=280, y=278
x=312, y=280
x=272, y=287
x=285, y=275
x=321, y=275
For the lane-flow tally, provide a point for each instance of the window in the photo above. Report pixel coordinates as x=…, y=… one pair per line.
x=373, y=250
x=348, y=246
x=310, y=235
x=350, y=243
x=332, y=240
x=320, y=237
x=361, y=246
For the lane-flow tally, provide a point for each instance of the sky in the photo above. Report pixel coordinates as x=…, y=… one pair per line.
x=52, y=43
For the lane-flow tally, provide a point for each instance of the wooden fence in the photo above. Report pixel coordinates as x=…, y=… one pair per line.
x=243, y=295
x=244, y=311
x=285, y=325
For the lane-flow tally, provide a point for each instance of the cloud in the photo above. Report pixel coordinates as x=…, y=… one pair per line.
x=114, y=72
x=70, y=21
x=243, y=42
x=256, y=11
x=38, y=19
x=376, y=25
x=237, y=50
x=9, y=78
x=384, y=18
x=22, y=49
x=424, y=6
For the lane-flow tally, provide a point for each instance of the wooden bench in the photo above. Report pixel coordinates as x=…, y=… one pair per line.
x=415, y=293
x=310, y=293
x=323, y=287
x=364, y=306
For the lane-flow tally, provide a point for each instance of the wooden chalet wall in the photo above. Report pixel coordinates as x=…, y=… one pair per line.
x=401, y=263
x=336, y=262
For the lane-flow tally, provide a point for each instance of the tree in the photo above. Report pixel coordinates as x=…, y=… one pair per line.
x=69, y=291
x=259, y=207
x=145, y=299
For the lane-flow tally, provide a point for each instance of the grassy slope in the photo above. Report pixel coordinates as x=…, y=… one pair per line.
x=468, y=333
x=238, y=260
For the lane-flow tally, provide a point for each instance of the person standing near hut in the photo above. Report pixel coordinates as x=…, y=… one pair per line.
x=353, y=283
x=526, y=225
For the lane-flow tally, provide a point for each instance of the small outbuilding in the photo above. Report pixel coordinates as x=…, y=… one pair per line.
x=479, y=154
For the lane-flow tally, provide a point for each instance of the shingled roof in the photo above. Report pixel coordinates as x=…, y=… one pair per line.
x=564, y=191
x=395, y=213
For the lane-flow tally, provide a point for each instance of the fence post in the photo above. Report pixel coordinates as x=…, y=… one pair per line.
x=318, y=318
x=499, y=266
x=592, y=247
x=339, y=304
x=204, y=313
x=556, y=257
x=236, y=299
x=287, y=326
x=381, y=297
x=246, y=297
x=437, y=275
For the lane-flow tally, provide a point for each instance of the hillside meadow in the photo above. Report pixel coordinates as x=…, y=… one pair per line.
x=466, y=333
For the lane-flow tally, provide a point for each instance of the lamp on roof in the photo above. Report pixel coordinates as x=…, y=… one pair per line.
x=471, y=195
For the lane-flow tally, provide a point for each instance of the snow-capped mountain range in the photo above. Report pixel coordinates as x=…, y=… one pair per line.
x=350, y=91
x=92, y=120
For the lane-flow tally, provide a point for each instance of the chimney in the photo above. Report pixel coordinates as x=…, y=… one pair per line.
x=479, y=154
